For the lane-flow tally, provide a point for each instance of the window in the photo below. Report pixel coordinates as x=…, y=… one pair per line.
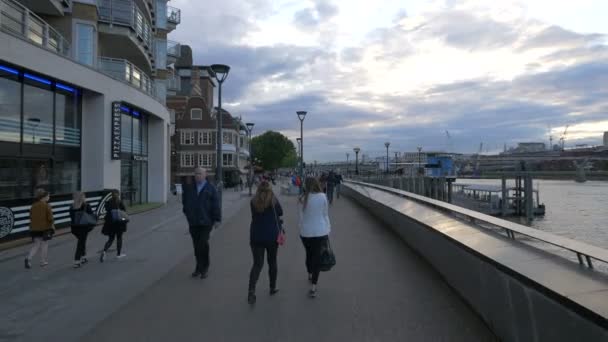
x=85, y=43
x=67, y=120
x=228, y=160
x=161, y=20
x=187, y=160
x=187, y=138
x=204, y=137
x=241, y=140
x=227, y=138
x=196, y=114
x=205, y=159
x=10, y=109
x=37, y=115
x=126, y=136
x=161, y=54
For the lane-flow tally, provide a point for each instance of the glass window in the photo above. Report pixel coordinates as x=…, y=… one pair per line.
x=8, y=179
x=85, y=43
x=136, y=136
x=10, y=109
x=161, y=20
x=38, y=115
x=66, y=177
x=36, y=174
x=196, y=114
x=144, y=135
x=187, y=160
x=228, y=159
x=67, y=120
x=161, y=54
x=126, y=144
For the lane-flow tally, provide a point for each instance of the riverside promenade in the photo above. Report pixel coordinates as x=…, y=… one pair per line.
x=379, y=290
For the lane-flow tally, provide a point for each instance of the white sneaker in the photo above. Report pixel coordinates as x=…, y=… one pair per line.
x=120, y=256
x=44, y=263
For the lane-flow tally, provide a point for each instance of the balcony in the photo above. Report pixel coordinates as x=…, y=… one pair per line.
x=125, y=71
x=174, y=84
x=174, y=17
x=48, y=7
x=174, y=51
x=17, y=20
x=125, y=19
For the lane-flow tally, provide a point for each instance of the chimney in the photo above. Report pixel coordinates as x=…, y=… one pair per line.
x=195, y=81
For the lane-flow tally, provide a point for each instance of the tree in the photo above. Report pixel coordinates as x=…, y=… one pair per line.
x=274, y=150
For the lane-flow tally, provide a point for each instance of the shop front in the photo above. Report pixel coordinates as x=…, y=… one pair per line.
x=133, y=154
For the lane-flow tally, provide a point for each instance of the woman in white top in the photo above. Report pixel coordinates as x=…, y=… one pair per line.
x=314, y=228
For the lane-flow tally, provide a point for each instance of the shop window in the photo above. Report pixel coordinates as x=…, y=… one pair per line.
x=10, y=108
x=67, y=120
x=38, y=114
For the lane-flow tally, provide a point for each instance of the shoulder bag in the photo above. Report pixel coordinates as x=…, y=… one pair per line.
x=328, y=259
x=281, y=235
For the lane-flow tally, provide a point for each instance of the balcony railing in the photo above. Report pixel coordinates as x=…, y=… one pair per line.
x=174, y=83
x=126, y=13
x=174, y=49
x=18, y=20
x=124, y=70
x=174, y=15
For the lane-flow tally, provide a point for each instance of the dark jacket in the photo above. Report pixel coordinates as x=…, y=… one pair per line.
x=265, y=225
x=86, y=207
x=110, y=227
x=201, y=209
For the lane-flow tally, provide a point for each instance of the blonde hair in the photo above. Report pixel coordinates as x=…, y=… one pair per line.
x=79, y=200
x=263, y=197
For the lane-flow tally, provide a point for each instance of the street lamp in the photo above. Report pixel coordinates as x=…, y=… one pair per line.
x=419, y=161
x=220, y=72
x=301, y=116
x=356, y=149
x=387, y=144
x=33, y=122
x=249, y=126
x=299, y=141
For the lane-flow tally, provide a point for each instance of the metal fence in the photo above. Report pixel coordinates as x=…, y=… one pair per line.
x=174, y=15
x=124, y=70
x=126, y=13
x=16, y=19
x=174, y=49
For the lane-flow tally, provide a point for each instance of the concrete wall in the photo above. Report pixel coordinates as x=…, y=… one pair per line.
x=522, y=293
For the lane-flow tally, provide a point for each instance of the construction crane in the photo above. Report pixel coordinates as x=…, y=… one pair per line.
x=562, y=140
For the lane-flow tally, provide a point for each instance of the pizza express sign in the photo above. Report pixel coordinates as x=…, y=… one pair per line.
x=116, y=115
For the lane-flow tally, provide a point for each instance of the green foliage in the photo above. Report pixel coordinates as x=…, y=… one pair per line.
x=274, y=150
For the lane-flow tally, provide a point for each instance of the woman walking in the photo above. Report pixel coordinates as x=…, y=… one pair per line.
x=82, y=219
x=264, y=232
x=113, y=226
x=314, y=228
x=42, y=228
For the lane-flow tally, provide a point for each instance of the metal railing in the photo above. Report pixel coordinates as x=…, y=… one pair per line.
x=174, y=83
x=126, y=13
x=16, y=19
x=174, y=49
x=174, y=15
x=124, y=70
x=583, y=251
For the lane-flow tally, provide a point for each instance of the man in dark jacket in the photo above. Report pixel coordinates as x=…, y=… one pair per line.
x=202, y=209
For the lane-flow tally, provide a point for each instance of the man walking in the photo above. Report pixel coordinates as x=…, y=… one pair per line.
x=202, y=209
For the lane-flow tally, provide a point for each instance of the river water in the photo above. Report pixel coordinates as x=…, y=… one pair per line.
x=574, y=210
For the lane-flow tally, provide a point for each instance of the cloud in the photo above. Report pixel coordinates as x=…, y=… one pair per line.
x=312, y=17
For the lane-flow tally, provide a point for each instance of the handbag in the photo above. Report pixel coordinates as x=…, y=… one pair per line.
x=48, y=234
x=119, y=216
x=281, y=235
x=327, y=259
x=83, y=219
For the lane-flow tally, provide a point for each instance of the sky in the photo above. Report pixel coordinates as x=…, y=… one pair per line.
x=441, y=74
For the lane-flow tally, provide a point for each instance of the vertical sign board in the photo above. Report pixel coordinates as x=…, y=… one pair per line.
x=116, y=114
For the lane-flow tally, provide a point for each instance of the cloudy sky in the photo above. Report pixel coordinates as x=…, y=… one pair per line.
x=407, y=71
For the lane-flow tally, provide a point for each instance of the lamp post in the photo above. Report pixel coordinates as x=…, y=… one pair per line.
x=299, y=141
x=249, y=126
x=356, y=149
x=419, y=161
x=347, y=164
x=220, y=72
x=301, y=116
x=387, y=144
x=33, y=122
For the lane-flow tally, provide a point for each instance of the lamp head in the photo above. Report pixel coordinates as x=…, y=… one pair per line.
x=356, y=149
x=249, y=126
x=220, y=71
x=301, y=115
x=387, y=144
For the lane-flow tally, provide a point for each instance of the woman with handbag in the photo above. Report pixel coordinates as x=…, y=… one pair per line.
x=314, y=229
x=265, y=235
x=42, y=228
x=115, y=225
x=83, y=220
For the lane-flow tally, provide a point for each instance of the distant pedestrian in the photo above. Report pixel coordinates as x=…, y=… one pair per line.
x=82, y=222
x=202, y=209
x=339, y=180
x=264, y=232
x=115, y=225
x=331, y=185
x=314, y=228
x=42, y=228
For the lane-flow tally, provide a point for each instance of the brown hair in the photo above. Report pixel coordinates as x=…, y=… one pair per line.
x=116, y=196
x=311, y=185
x=40, y=194
x=263, y=197
x=79, y=200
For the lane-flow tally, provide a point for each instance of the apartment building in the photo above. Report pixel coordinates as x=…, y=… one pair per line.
x=83, y=86
x=195, y=140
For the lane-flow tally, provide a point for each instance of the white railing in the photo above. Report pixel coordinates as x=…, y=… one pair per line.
x=124, y=70
x=16, y=19
x=174, y=82
x=126, y=13
x=174, y=15
x=174, y=49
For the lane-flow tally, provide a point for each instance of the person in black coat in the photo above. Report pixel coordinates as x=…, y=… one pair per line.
x=263, y=234
x=81, y=232
x=201, y=206
x=113, y=229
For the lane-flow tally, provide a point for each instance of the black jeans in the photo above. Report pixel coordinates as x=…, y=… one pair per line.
x=313, y=246
x=330, y=193
x=81, y=246
x=118, y=236
x=257, y=250
x=200, y=241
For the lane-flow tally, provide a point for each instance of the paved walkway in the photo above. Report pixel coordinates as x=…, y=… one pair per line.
x=59, y=303
x=379, y=291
